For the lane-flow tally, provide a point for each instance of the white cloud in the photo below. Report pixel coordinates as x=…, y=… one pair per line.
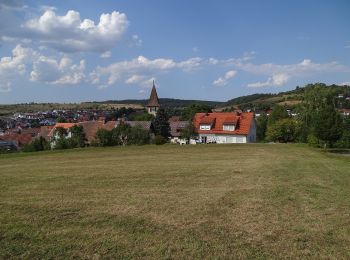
x=137, y=40
x=213, y=61
x=69, y=33
x=347, y=83
x=134, y=79
x=51, y=71
x=222, y=81
x=14, y=66
x=106, y=55
x=276, y=80
x=141, y=67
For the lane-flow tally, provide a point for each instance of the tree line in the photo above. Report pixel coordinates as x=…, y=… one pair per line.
x=317, y=122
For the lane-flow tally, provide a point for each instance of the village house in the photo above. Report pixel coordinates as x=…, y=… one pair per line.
x=176, y=127
x=225, y=127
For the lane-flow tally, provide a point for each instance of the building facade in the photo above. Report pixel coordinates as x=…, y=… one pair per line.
x=225, y=127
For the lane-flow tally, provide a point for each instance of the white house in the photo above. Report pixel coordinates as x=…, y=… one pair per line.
x=225, y=127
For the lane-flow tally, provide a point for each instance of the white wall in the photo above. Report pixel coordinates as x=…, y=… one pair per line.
x=224, y=139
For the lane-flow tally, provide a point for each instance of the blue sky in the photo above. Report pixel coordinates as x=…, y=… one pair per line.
x=72, y=51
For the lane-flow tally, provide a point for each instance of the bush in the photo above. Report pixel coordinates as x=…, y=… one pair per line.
x=39, y=144
x=62, y=143
x=159, y=140
x=138, y=136
x=312, y=140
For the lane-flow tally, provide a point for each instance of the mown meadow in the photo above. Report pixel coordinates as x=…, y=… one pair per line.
x=176, y=202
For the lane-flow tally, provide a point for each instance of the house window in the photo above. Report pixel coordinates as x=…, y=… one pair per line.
x=228, y=128
x=204, y=127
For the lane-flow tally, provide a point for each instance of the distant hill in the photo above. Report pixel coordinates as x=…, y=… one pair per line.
x=166, y=102
x=255, y=102
x=288, y=98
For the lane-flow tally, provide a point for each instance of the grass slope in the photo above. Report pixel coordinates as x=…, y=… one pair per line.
x=230, y=201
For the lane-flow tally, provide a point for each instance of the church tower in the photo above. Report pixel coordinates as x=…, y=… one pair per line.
x=153, y=103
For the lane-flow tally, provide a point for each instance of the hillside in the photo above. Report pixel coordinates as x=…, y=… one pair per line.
x=179, y=202
x=259, y=101
x=288, y=98
x=166, y=102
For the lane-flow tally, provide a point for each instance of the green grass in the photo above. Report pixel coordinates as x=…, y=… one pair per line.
x=204, y=201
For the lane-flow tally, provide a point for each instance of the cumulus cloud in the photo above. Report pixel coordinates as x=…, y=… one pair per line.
x=106, y=55
x=276, y=80
x=69, y=33
x=17, y=63
x=135, y=79
x=222, y=81
x=51, y=71
x=27, y=63
x=136, y=70
x=11, y=67
x=280, y=74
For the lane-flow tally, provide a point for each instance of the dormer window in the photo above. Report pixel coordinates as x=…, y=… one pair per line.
x=228, y=127
x=204, y=127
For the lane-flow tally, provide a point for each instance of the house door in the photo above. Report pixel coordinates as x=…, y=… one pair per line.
x=204, y=139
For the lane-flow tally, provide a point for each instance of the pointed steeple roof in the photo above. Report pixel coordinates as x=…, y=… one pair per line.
x=153, y=99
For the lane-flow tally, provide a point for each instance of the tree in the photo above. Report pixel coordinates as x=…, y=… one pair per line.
x=189, y=112
x=120, y=134
x=78, y=137
x=319, y=116
x=284, y=130
x=138, y=136
x=61, y=132
x=61, y=120
x=278, y=113
x=38, y=144
x=328, y=124
x=161, y=124
x=62, y=143
x=261, y=127
x=344, y=141
x=104, y=137
x=189, y=131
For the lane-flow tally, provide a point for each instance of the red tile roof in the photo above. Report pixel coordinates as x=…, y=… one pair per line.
x=19, y=139
x=90, y=128
x=242, y=122
x=45, y=131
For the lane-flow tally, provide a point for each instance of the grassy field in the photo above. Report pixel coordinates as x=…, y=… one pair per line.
x=181, y=202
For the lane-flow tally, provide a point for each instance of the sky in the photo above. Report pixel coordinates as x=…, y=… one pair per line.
x=81, y=50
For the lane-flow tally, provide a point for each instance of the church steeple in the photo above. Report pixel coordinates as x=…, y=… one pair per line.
x=153, y=102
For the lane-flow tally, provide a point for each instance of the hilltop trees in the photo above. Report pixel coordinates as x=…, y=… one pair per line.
x=189, y=112
x=319, y=118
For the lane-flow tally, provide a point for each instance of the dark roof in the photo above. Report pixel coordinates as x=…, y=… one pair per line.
x=153, y=99
x=176, y=127
x=146, y=125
